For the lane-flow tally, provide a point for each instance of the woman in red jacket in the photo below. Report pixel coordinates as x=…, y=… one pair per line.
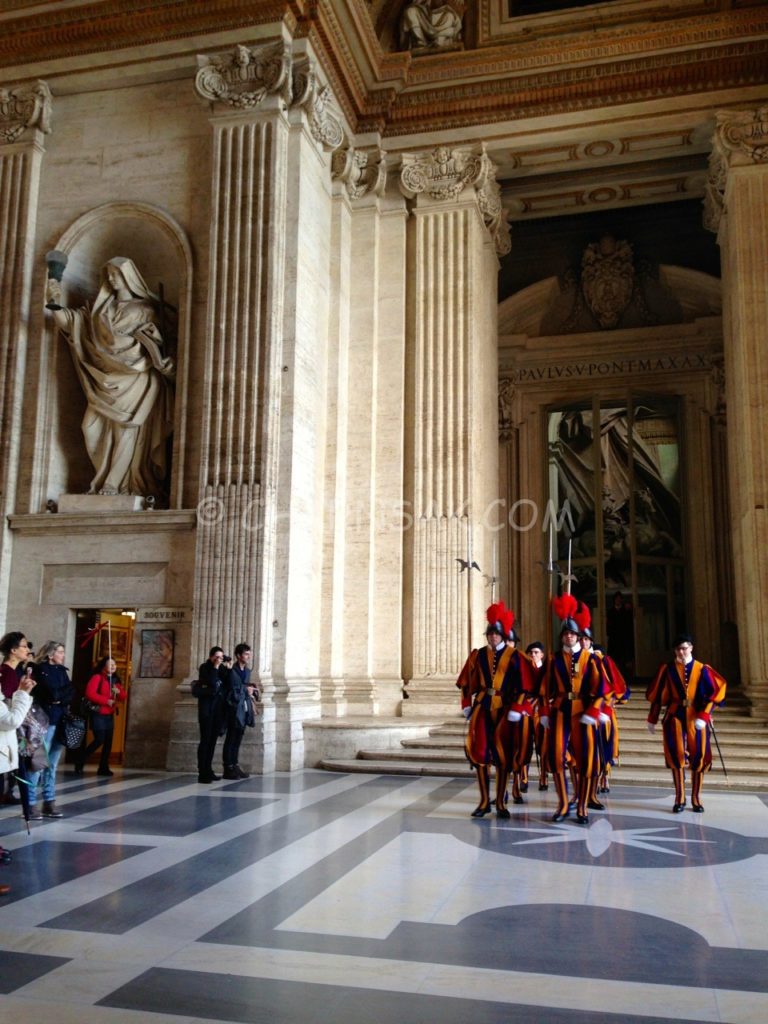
x=104, y=691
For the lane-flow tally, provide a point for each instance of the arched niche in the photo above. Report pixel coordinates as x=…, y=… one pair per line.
x=160, y=249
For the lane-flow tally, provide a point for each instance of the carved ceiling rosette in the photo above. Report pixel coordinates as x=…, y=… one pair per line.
x=741, y=137
x=361, y=171
x=324, y=120
x=28, y=106
x=246, y=76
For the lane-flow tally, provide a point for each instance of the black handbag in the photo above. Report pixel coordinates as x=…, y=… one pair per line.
x=72, y=731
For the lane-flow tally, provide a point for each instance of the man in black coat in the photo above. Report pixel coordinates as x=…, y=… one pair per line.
x=210, y=710
x=237, y=692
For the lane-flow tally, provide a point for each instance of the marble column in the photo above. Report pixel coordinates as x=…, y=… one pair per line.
x=25, y=115
x=454, y=234
x=737, y=208
x=363, y=563
x=260, y=516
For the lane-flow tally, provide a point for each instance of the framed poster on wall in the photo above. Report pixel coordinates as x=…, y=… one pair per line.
x=156, y=654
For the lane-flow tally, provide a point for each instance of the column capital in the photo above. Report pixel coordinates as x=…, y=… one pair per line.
x=444, y=174
x=244, y=77
x=22, y=108
x=740, y=139
x=318, y=103
x=360, y=171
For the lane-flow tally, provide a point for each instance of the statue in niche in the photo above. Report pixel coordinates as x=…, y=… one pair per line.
x=117, y=349
x=430, y=24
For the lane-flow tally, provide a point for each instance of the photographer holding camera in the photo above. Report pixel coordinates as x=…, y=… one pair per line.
x=211, y=710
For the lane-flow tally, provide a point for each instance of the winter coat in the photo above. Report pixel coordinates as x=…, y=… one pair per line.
x=10, y=720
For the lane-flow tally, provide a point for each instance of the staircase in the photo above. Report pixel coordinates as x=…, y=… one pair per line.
x=743, y=741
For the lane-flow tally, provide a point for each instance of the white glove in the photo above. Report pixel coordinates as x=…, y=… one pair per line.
x=466, y=712
x=588, y=720
x=651, y=727
x=605, y=719
x=544, y=721
x=513, y=716
x=700, y=723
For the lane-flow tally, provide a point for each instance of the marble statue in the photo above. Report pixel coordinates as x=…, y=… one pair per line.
x=430, y=24
x=117, y=349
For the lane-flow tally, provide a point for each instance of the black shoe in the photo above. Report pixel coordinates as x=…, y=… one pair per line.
x=240, y=773
x=582, y=819
x=697, y=808
x=231, y=774
x=517, y=800
x=204, y=779
x=214, y=777
x=502, y=812
x=595, y=805
x=105, y=771
x=677, y=808
x=560, y=816
x=543, y=786
x=481, y=810
x=524, y=787
x=78, y=769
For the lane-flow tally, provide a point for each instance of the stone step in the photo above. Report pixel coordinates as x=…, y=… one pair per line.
x=741, y=745
x=621, y=775
x=629, y=759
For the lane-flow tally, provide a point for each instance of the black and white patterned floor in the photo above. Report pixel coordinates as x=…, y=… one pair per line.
x=338, y=899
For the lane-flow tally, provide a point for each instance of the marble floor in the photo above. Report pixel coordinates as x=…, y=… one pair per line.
x=349, y=899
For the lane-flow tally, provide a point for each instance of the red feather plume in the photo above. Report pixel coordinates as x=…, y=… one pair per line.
x=494, y=612
x=583, y=616
x=565, y=605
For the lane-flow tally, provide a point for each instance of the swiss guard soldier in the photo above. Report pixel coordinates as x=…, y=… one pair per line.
x=572, y=695
x=515, y=730
x=488, y=681
x=690, y=690
x=618, y=693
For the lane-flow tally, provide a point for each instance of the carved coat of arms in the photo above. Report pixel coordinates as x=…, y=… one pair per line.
x=607, y=279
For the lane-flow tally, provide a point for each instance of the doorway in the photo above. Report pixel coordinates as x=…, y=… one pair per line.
x=101, y=633
x=618, y=465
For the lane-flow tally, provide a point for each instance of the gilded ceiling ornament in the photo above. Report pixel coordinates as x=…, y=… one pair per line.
x=246, y=76
x=361, y=171
x=324, y=120
x=444, y=173
x=22, y=108
x=607, y=279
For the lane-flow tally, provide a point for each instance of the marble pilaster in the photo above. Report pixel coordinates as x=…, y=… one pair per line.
x=364, y=560
x=25, y=114
x=455, y=232
x=260, y=511
x=737, y=208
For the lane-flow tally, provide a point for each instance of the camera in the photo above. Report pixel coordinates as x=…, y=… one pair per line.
x=227, y=658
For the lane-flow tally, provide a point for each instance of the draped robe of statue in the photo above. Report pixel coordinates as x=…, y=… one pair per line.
x=423, y=24
x=117, y=350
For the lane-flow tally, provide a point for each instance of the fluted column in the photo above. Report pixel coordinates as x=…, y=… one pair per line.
x=452, y=458
x=25, y=114
x=363, y=566
x=737, y=208
x=259, y=545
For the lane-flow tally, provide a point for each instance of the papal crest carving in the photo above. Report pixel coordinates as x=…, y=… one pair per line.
x=607, y=279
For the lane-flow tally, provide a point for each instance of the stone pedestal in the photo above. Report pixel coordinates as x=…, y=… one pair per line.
x=738, y=209
x=107, y=503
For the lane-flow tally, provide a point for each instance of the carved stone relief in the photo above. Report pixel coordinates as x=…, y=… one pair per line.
x=607, y=279
x=324, y=120
x=246, y=76
x=361, y=171
x=23, y=108
x=506, y=396
x=431, y=25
